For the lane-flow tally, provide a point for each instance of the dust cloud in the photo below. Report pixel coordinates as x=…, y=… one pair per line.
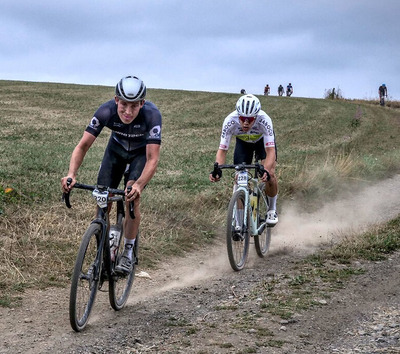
x=354, y=212
x=297, y=231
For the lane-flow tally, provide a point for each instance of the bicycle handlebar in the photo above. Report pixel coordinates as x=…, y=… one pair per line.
x=66, y=199
x=260, y=170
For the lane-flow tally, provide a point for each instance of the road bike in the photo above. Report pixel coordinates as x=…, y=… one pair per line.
x=247, y=212
x=98, y=254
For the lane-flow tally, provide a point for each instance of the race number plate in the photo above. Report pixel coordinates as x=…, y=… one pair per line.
x=242, y=178
x=101, y=198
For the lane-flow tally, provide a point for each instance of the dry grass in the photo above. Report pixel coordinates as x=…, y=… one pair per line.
x=182, y=211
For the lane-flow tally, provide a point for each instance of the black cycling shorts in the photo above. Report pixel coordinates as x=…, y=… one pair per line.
x=244, y=152
x=114, y=165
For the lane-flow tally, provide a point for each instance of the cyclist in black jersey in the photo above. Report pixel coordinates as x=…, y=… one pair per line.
x=133, y=150
x=289, y=90
x=382, y=94
x=280, y=90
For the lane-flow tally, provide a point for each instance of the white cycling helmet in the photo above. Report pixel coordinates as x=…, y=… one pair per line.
x=130, y=89
x=248, y=106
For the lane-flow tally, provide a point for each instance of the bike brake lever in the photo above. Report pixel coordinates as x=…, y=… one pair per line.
x=261, y=172
x=216, y=171
x=131, y=205
x=65, y=196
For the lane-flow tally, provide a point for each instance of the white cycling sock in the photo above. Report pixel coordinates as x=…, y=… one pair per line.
x=272, y=202
x=131, y=243
x=239, y=216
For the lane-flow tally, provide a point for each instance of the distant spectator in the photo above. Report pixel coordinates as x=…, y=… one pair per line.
x=280, y=90
x=266, y=90
x=289, y=90
x=243, y=91
x=382, y=94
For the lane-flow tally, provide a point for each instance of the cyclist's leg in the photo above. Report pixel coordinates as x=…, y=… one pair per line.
x=112, y=167
x=134, y=171
x=259, y=151
x=271, y=191
x=243, y=153
x=131, y=226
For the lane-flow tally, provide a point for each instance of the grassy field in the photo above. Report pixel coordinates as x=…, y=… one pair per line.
x=322, y=144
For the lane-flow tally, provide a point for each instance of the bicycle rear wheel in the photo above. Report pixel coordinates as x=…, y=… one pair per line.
x=237, y=235
x=119, y=285
x=262, y=241
x=85, y=278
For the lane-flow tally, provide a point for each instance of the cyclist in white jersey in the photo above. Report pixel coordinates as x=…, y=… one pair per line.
x=254, y=135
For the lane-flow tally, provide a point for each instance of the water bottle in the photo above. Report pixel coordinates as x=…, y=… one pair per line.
x=253, y=203
x=115, y=234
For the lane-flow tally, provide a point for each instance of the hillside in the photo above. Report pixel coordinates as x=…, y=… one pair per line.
x=324, y=147
x=338, y=175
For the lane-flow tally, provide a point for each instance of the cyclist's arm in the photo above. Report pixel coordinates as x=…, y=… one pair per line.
x=152, y=158
x=76, y=159
x=221, y=156
x=270, y=161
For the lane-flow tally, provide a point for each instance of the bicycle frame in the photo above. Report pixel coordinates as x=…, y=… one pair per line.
x=243, y=217
x=102, y=219
x=88, y=277
x=243, y=179
x=256, y=187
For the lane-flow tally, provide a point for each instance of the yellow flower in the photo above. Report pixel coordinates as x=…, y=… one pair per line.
x=8, y=190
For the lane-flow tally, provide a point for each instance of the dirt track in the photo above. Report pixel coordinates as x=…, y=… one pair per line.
x=199, y=305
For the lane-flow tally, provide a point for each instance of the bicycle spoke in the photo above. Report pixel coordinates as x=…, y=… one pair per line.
x=262, y=241
x=237, y=236
x=84, y=284
x=120, y=286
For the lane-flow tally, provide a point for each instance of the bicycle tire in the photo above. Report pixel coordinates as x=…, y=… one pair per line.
x=85, y=278
x=262, y=242
x=237, y=246
x=119, y=286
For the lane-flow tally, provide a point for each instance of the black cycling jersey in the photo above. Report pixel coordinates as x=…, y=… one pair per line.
x=382, y=90
x=145, y=128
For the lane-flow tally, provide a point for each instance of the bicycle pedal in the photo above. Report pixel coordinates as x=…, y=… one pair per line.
x=236, y=237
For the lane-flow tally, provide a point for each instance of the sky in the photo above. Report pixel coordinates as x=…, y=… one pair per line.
x=216, y=46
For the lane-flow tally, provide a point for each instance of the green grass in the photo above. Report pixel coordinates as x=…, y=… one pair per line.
x=319, y=149
x=318, y=275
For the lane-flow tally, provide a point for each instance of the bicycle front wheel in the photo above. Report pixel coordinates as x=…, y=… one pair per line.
x=119, y=285
x=85, y=278
x=237, y=233
x=262, y=241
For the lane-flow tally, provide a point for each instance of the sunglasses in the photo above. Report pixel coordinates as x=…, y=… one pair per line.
x=249, y=119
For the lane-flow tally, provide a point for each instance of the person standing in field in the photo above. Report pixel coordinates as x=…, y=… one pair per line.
x=133, y=151
x=267, y=90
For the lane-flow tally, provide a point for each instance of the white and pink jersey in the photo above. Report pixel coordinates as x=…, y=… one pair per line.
x=261, y=129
